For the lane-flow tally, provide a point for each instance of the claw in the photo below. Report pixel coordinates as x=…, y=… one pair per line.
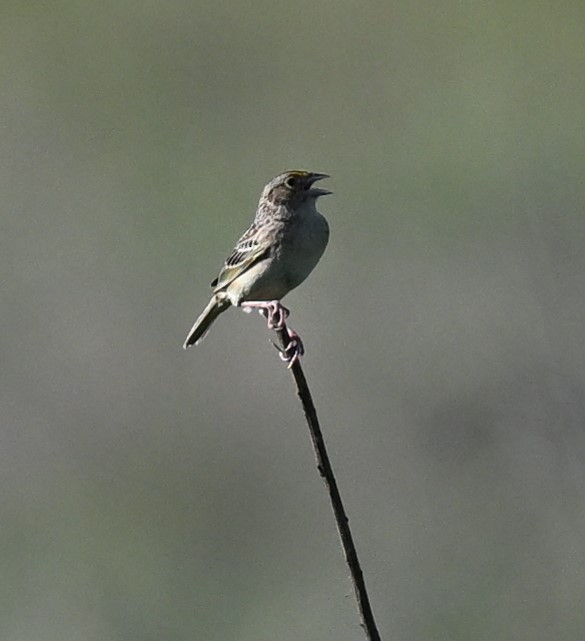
x=295, y=357
x=283, y=355
x=293, y=350
x=295, y=347
x=279, y=349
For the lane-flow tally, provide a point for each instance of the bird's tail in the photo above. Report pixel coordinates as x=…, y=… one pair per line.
x=214, y=308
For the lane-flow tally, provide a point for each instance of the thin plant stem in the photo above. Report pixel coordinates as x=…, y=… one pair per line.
x=326, y=471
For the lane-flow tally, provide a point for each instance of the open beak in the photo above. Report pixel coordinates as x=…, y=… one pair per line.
x=316, y=191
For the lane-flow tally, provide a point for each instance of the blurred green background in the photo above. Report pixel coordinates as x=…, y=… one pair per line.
x=149, y=493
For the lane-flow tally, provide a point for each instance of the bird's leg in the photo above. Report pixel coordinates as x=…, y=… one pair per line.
x=294, y=348
x=272, y=310
x=276, y=315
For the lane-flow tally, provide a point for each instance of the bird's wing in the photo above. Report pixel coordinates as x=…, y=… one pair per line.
x=252, y=247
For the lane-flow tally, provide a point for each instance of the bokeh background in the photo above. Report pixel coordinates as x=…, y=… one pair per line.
x=149, y=493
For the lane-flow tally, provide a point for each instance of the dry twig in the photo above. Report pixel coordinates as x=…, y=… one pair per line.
x=326, y=471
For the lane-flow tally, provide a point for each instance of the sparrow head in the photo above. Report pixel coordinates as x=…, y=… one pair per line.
x=294, y=187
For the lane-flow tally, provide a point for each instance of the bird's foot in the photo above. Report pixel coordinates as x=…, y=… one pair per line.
x=293, y=350
x=273, y=311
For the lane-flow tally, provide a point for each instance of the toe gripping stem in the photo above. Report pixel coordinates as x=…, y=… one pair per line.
x=294, y=348
x=276, y=314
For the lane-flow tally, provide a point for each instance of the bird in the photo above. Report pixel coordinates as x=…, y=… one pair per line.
x=275, y=254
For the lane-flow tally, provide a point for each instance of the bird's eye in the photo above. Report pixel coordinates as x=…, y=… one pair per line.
x=291, y=182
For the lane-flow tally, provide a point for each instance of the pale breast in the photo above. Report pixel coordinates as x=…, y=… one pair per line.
x=296, y=252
